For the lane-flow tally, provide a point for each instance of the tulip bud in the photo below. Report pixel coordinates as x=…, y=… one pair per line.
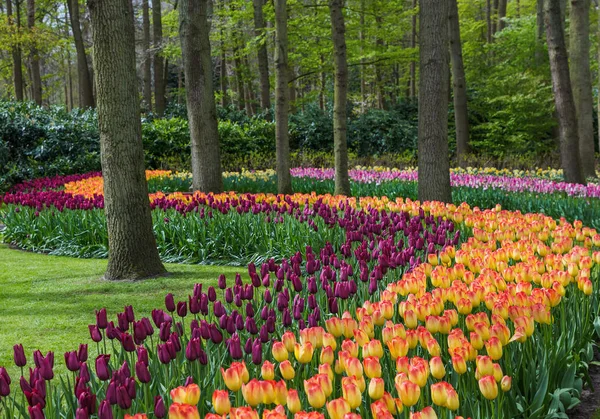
x=376, y=388
x=488, y=387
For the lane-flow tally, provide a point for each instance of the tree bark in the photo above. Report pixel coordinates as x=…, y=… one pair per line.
x=581, y=81
x=16, y=53
x=563, y=94
x=160, y=101
x=434, y=165
x=147, y=66
x=86, y=89
x=194, y=28
x=494, y=15
x=459, y=85
x=69, y=75
x=34, y=59
x=340, y=144
x=282, y=99
x=540, y=34
x=501, y=14
x=239, y=82
x=488, y=19
x=413, y=44
x=223, y=78
x=263, y=60
x=132, y=246
x=363, y=81
x=598, y=105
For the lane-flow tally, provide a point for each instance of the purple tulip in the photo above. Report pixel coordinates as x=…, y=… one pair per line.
x=235, y=347
x=142, y=372
x=222, y=282
x=105, y=410
x=194, y=304
x=84, y=373
x=4, y=382
x=19, y=356
x=159, y=407
x=127, y=342
x=169, y=303
x=35, y=399
x=163, y=353
x=229, y=295
x=257, y=354
x=129, y=313
x=189, y=381
x=95, y=333
x=123, y=398
x=81, y=413
x=192, y=350
x=123, y=322
x=71, y=361
x=102, y=370
x=87, y=401
x=212, y=294
x=112, y=332
x=158, y=316
x=165, y=331
x=36, y=411
x=182, y=309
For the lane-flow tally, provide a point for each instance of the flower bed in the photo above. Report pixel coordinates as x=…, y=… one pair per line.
x=395, y=309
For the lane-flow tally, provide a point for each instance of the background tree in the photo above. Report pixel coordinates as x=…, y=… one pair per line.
x=86, y=89
x=581, y=80
x=263, y=59
x=202, y=113
x=434, y=165
x=282, y=99
x=146, y=57
x=15, y=26
x=34, y=59
x=563, y=93
x=459, y=85
x=159, y=63
x=132, y=246
x=338, y=30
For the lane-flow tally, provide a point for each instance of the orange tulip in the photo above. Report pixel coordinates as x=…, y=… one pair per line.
x=279, y=351
x=436, y=365
x=293, y=401
x=409, y=393
x=183, y=411
x=253, y=392
x=303, y=352
x=334, y=326
x=372, y=367
x=232, y=377
x=352, y=394
x=398, y=347
x=189, y=395
x=338, y=408
x=277, y=413
x=315, y=394
x=267, y=371
x=376, y=388
x=289, y=340
x=506, y=383
x=221, y=402
x=488, y=387
x=136, y=416
x=354, y=368
x=327, y=356
x=494, y=348
x=242, y=413
x=452, y=401
x=439, y=395
x=329, y=340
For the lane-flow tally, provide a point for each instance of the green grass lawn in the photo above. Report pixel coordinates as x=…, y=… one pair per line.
x=47, y=302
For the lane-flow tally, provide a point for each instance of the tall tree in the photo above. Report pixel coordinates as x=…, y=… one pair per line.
x=86, y=89
x=34, y=59
x=413, y=44
x=540, y=32
x=488, y=19
x=501, y=14
x=194, y=28
x=263, y=59
x=340, y=96
x=459, y=84
x=581, y=80
x=434, y=164
x=147, y=61
x=16, y=51
x=160, y=100
x=131, y=242
x=563, y=93
x=282, y=99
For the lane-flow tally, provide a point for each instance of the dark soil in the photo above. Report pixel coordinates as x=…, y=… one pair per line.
x=590, y=400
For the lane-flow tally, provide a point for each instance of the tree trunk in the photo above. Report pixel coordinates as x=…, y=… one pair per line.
x=581, y=80
x=563, y=94
x=34, y=59
x=292, y=87
x=248, y=88
x=263, y=60
x=501, y=14
x=194, y=28
x=132, y=246
x=147, y=66
x=160, y=101
x=494, y=13
x=539, y=50
x=434, y=165
x=223, y=76
x=86, y=90
x=282, y=99
x=16, y=53
x=69, y=75
x=361, y=38
x=459, y=85
x=322, y=85
x=598, y=105
x=340, y=95
x=488, y=19
x=239, y=83
x=413, y=44
x=379, y=47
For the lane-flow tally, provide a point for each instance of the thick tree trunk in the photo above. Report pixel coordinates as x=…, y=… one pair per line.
x=132, y=246
x=581, y=80
x=340, y=144
x=563, y=94
x=202, y=112
x=147, y=65
x=459, y=85
x=434, y=165
x=86, y=89
x=413, y=44
x=263, y=60
x=160, y=101
x=501, y=14
x=282, y=99
x=34, y=59
x=16, y=53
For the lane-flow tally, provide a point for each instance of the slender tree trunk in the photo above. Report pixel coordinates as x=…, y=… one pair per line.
x=85, y=87
x=69, y=75
x=194, y=28
x=282, y=100
x=501, y=14
x=581, y=81
x=322, y=85
x=378, y=76
x=223, y=77
x=413, y=44
x=132, y=246
x=541, y=34
x=518, y=8
x=563, y=94
x=598, y=105
x=160, y=101
x=488, y=19
x=239, y=83
x=147, y=65
x=34, y=59
x=459, y=85
x=340, y=143
x=263, y=60
x=292, y=87
x=434, y=164
x=494, y=13
x=361, y=37
x=16, y=53
x=248, y=88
